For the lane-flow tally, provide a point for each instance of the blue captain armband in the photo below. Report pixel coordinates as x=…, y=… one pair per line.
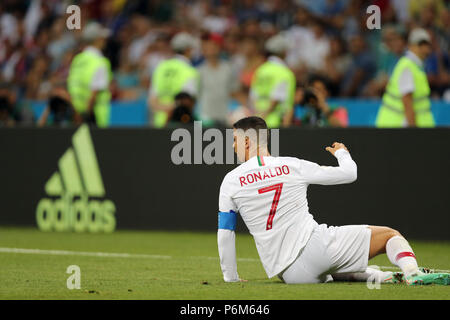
x=227, y=220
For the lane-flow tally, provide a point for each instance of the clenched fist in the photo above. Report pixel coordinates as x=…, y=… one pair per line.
x=335, y=147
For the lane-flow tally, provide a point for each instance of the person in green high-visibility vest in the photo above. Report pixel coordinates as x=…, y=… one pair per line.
x=90, y=76
x=272, y=89
x=171, y=77
x=406, y=101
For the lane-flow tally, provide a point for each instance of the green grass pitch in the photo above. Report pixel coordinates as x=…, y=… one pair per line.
x=172, y=265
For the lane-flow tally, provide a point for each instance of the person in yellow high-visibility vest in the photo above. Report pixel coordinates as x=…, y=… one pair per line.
x=171, y=77
x=406, y=101
x=90, y=76
x=272, y=89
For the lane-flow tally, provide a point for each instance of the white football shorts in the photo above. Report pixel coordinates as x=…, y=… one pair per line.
x=330, y=250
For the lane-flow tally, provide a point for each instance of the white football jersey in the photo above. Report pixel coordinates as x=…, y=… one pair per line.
x=270, y=195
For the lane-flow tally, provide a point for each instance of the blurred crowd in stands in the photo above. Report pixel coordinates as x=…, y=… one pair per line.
x=329, y=40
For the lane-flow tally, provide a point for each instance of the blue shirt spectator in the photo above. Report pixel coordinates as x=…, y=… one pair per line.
x=324, y=7
x=362, y=69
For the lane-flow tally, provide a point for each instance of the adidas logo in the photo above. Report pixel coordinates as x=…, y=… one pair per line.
x=76, y=192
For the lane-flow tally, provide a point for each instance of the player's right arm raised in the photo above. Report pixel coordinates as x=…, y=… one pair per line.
x=346, y=172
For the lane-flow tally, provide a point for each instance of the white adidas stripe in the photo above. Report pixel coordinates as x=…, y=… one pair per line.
x=135, y=255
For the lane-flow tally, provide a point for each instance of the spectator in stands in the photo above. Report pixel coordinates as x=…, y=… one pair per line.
x=218, y=19
x=437, y=67
x=428, y=12
x=36, y=78
x=248, y=10
x=279, y=14
x=318, y=48
x=350, y=23
x=443, y=33
x=298, y=36
x=253, y=58
x=143, y=36
x=159, y=51
x=126, y=78
x=337, y=63
x=251, y=28
x=217, y=84
x=32, y=30
x=361, y=70
x=61, y=41
x=232, y=49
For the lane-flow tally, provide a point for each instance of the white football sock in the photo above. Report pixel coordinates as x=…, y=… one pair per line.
x=376, y=275
x=400, y=254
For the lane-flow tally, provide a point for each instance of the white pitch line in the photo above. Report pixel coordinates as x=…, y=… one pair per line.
x=237, y=259
x=105, y=254
x=83, y=253
x=135, y=255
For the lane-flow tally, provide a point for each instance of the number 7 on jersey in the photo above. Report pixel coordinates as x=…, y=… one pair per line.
x=277, y=188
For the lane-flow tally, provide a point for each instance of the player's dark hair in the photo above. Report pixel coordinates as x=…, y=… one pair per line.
x=257, y=124
x=250, y=123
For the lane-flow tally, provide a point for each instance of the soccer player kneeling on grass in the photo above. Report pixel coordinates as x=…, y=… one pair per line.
x=270, y=195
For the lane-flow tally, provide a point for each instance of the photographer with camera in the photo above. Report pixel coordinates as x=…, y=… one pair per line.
x=182, y=114
x=312, y=108
x=59, y=111
x=7, y=101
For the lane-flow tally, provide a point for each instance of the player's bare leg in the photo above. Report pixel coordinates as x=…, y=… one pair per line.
x=379, y=239
x=390, y=241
